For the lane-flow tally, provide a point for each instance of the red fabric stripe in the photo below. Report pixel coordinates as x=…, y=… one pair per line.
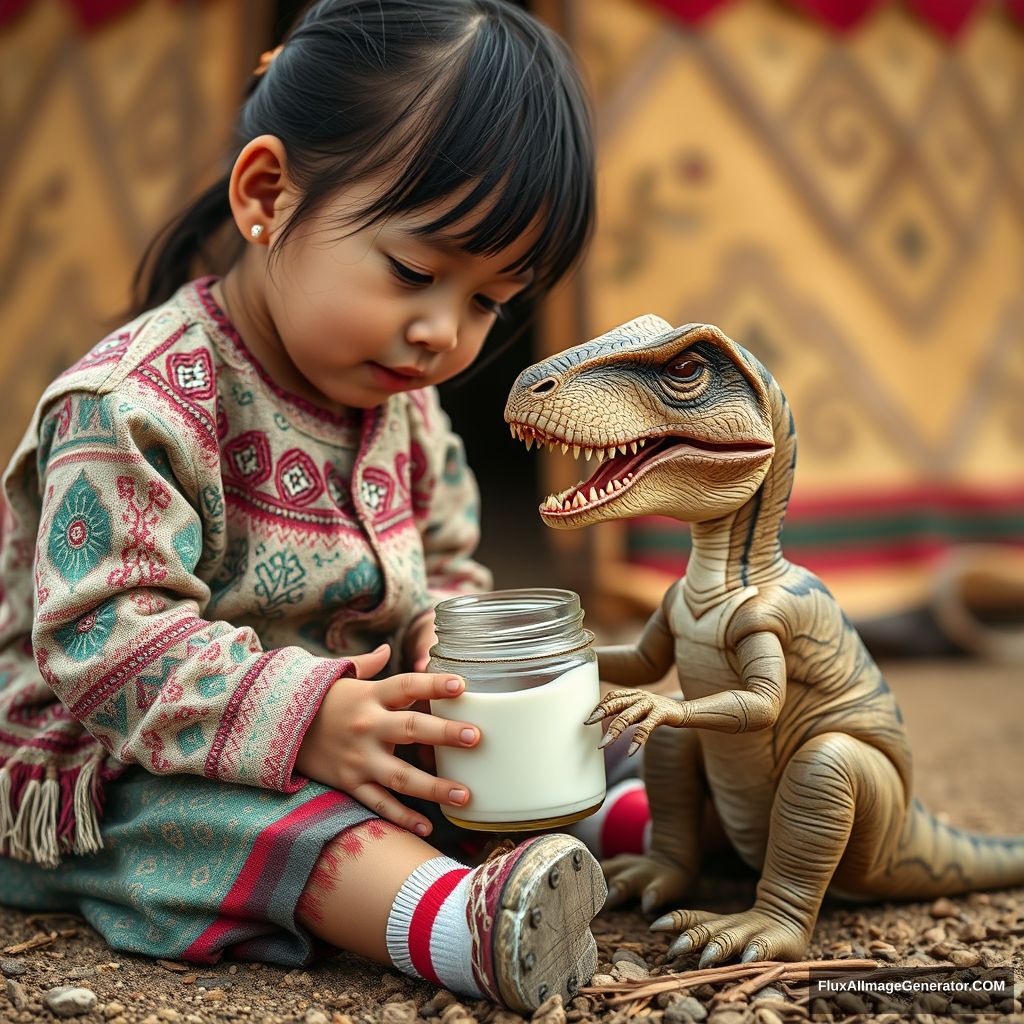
x=923, y=497
x=231, y=909
x=422, y=923
x=622, y=830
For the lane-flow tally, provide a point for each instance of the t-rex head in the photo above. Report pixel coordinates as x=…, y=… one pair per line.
x=682, y=421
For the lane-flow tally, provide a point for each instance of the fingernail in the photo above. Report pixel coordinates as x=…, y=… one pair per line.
x=457, y=796
x=467, y=735
x=453, y=685
x=377, y=650
x=420, y=829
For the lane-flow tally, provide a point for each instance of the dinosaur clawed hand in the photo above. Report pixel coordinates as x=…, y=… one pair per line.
x=652, y=878
x=636, y=707
x=750, y=935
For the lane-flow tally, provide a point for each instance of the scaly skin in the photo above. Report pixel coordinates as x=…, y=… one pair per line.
x=786, y=720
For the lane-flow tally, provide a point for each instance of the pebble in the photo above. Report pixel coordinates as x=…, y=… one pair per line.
x=602, y=979
x=214, y=995
x=16, y=994
x=433, y=1007
x=78, y=973
x=943, y=907
x=684, y=1010
x=929, y=1002
x=551, y=1011
x=12, y=968
x=168, y=1013
x=937, y=933
x=626, y=970
x=399, y=1013
x=66, y=1001
x=965, y=957
x=507, y=1017
x=214, y=981
x=728, y=1017
x=763, y=1015
x=628, y=956
x=316, y=1017
x=883, y=951
x=113, y=1009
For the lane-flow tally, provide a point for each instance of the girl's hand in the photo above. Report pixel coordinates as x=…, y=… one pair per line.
x=419, y=638
x=350, y=744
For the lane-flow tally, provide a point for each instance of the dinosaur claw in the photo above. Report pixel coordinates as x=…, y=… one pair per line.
x=750, y=954
x=649, y=901
x=711, y=955
x=682, y=945
x=665, y=923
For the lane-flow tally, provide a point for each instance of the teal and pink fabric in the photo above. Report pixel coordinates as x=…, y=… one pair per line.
x=189, y=556
x=195, y=870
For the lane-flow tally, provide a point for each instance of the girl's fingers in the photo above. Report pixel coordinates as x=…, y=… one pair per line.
x=397, y=692
x=405, y=778
x=368, y=665
x=413, y=727
x=386, y=805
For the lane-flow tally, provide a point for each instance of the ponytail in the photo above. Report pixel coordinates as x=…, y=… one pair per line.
x=176, y=253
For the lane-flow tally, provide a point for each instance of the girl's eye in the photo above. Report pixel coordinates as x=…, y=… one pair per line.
x=490, y=305
x=684, y=371
x=407, y=274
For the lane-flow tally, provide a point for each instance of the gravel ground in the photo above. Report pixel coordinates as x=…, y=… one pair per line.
x=966, y=729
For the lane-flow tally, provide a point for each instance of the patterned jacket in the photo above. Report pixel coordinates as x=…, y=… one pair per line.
x=189, y=554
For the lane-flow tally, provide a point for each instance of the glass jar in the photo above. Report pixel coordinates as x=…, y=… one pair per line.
x=531, y=682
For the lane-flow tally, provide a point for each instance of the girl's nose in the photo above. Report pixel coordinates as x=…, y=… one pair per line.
x=438, y=331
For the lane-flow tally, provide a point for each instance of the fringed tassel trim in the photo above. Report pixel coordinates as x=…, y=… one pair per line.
x=36, y=819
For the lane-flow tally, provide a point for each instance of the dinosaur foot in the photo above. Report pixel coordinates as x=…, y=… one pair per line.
x=653, y=878
x=750, y=935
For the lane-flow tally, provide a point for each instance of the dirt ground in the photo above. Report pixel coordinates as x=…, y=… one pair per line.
x=966, y=723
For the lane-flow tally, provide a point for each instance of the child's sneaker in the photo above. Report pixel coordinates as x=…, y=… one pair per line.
x=529, y=916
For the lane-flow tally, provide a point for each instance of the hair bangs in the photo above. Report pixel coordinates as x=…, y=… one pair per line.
x=505, y=131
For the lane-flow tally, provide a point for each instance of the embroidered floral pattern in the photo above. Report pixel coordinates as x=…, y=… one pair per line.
x=86, y=637
x=80, y=534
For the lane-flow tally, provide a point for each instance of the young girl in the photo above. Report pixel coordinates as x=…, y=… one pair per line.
x=238, y=511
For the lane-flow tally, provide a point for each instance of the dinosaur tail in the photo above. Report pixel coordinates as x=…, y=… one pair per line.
x=935, y=859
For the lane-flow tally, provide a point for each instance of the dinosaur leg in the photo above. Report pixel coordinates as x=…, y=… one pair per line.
x=676, y=791
x=836, y=794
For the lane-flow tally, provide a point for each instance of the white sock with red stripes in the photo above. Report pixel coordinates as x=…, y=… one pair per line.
x=428, y=933
x=622, y=825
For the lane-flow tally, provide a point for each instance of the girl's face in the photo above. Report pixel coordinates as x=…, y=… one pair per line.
x=362, y=314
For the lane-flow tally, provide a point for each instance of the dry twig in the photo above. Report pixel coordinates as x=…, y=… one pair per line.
x=646, y=988
x=41, y=939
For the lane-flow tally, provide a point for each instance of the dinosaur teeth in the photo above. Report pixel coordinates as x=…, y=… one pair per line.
x=593, y=494
x=588, y=453
x=599, y=453
x=642, y=441
x=632, y=447
x=575, y=451
x=565, y=447
x=529, y=443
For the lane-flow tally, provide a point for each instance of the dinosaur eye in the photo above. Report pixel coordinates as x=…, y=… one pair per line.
x=684, y=371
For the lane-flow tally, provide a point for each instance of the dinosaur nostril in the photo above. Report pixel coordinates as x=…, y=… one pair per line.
x=544, y=386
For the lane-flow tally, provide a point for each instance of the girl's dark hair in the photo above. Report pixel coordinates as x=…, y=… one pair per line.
x=442, y=97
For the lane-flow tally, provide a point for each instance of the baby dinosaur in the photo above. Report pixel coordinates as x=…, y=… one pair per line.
x=786, y=721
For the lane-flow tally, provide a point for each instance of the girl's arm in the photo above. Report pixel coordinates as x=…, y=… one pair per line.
x=117, y=631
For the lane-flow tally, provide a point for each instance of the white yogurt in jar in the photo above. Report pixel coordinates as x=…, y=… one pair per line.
x=536, y=764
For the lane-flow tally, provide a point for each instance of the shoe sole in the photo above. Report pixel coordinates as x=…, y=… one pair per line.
x=542, y=941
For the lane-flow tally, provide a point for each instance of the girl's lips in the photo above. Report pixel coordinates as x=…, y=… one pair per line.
x=395, y=380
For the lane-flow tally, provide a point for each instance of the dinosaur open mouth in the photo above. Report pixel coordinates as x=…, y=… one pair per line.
x=620, y=465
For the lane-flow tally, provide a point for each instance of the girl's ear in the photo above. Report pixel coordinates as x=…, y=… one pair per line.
x=260, y=191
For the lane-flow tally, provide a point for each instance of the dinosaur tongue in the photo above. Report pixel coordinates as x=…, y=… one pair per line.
x=618, y=467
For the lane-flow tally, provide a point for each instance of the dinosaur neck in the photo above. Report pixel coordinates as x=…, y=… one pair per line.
x=744, y=548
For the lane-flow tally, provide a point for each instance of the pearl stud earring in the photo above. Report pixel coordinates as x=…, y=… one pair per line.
x=256, y=230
